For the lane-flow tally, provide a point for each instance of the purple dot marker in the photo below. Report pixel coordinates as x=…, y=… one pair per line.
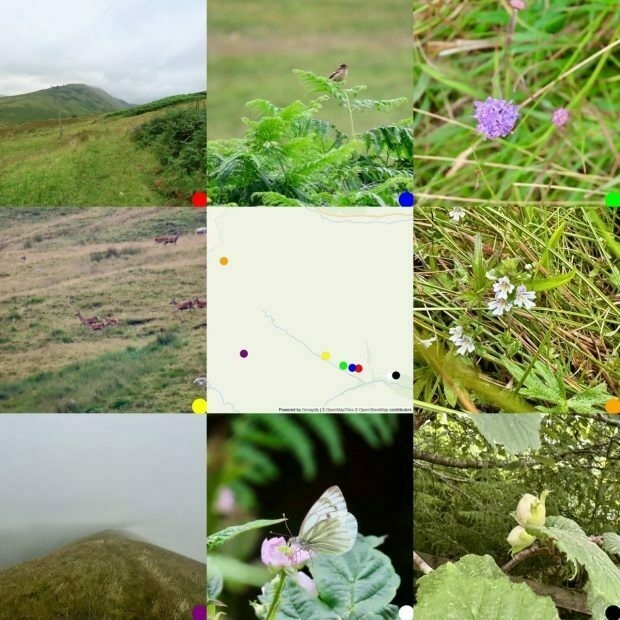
x=243, y=353
x=199, y=612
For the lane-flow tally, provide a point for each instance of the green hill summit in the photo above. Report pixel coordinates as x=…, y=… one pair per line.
x=111, y=574
x=73, y=99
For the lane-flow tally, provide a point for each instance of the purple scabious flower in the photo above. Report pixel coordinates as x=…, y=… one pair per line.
x=560, y=117
x=496, y=117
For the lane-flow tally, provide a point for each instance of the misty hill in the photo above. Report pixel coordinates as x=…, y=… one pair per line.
x=74, y=99
x=25, y=543
x=106, y=575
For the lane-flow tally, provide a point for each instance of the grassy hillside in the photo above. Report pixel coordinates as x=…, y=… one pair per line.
x=162, y=103
x=73, y=100
x=104, y=262
x=95, y=162
x=105, y=576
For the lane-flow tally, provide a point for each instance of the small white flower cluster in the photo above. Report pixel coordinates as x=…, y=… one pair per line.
x=503, y=287
x=457, y=214
x=464, y=342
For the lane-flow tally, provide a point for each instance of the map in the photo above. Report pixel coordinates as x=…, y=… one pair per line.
x=309, y=310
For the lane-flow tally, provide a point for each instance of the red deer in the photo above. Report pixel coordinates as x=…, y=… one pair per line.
x=86, y=321
x=96, y=326
x=109, y=321
x=200, y=303
x=171, y=239
x=160, y=239
x=182, y=305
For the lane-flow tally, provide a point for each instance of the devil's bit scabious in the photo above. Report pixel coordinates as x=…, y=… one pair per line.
x=496, y=117
x=560, y=117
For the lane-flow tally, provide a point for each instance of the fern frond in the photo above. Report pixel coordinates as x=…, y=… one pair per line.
x=273, y=199
x=293, y=436
x=381, y=105
x=325, y=427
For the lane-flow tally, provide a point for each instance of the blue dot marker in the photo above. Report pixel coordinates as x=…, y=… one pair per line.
x=406, y=199
x=352, y=367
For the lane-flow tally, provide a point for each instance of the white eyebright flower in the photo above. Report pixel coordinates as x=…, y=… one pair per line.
x=523, y=297
x=466, y=345
x=499, y=306
x=429, y=342
x=502, y=287
x=456, y=334
x=457, y=214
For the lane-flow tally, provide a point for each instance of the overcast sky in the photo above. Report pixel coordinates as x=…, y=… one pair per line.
x=136, y=50
x=145, y=472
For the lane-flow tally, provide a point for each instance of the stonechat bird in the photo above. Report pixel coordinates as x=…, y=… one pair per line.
x=340, y=73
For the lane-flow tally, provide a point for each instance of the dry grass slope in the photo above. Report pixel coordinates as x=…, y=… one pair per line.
x=103, y=577
x=100, y=261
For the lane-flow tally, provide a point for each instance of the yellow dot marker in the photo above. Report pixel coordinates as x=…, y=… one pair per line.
x=326, y=355
x=199, y=406
x=613, y=405
x=224, y=260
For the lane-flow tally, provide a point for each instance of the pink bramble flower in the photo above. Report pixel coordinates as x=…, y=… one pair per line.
x=496, y=117
x=307, y=583
x=225, y=503
x=517, y=4
x=276, y=553
x=560, y=117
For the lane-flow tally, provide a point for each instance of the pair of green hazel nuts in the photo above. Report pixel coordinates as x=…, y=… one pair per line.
x=530, y=511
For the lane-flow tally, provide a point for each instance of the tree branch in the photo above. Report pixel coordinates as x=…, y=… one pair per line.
x=448, y=461
x=421, y=564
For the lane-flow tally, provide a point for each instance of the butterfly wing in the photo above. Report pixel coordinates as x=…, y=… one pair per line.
x=328, y=527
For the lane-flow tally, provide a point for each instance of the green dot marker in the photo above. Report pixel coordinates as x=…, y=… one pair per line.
x=343, y=365
x=612, y=199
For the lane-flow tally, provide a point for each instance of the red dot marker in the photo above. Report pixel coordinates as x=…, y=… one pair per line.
x=199, y=199
x=359, y=368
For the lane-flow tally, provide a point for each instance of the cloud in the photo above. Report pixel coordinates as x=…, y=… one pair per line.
x=143, y=472
x=136, y=50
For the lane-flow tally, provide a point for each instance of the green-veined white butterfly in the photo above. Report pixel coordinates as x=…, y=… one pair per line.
x=328, y=527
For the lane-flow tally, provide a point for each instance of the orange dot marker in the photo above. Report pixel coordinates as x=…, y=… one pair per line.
x=223, y=260
x=613, y=405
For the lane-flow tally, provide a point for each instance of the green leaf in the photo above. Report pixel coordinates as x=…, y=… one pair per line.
x=475, y=587
x=611, y=543
x=545, y=258
x=450, y=82
x=357, y=585
x=590, y=400
x=517, y=433
x=219, y=538
x=549, y=283
x=603, y=586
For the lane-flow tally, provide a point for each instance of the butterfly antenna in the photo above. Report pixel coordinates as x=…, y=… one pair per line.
x=286, y=524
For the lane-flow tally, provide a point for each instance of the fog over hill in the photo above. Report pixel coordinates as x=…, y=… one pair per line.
x=67, y=476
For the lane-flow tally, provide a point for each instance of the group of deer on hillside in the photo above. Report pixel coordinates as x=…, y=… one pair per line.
x=95, y=323
x=189, y=304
